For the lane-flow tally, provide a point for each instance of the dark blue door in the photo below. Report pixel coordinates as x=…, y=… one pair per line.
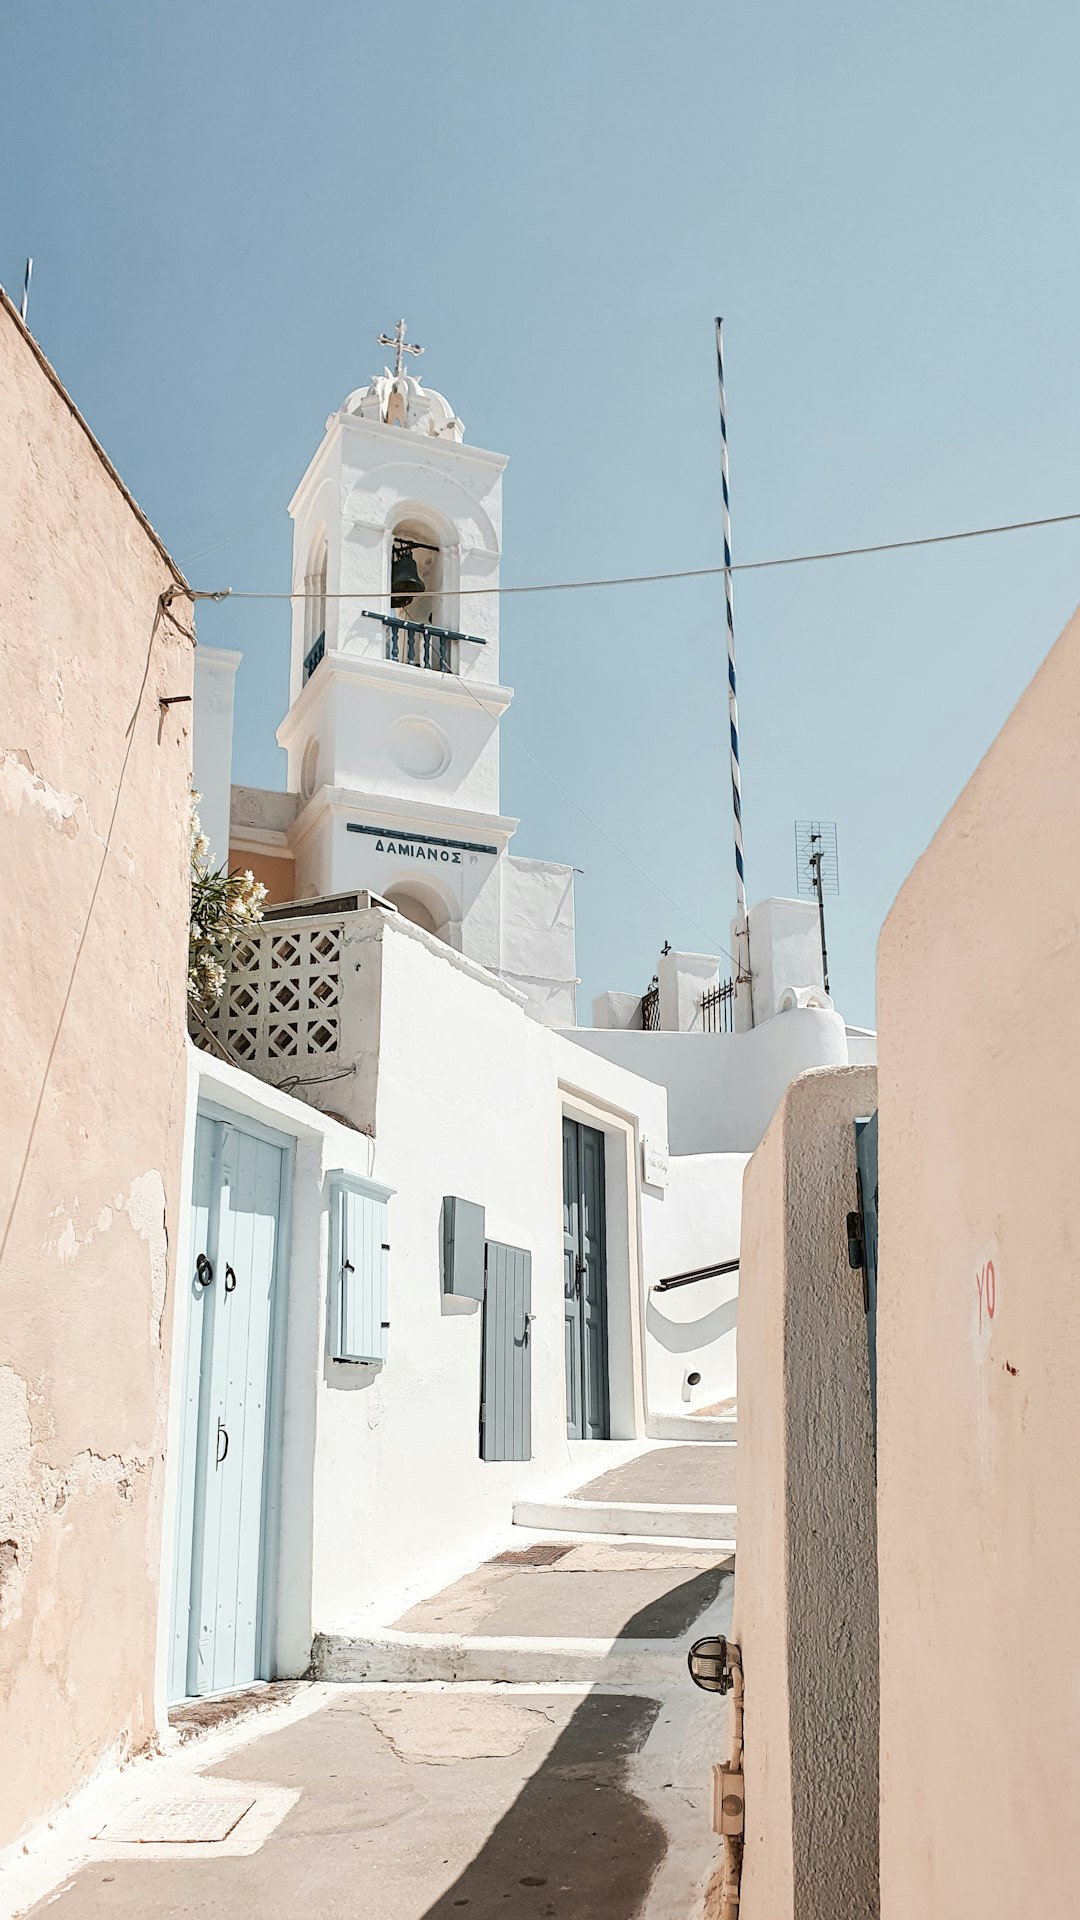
x=585, y=1283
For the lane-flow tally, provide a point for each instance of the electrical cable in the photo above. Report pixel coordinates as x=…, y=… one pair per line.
x=683, y=573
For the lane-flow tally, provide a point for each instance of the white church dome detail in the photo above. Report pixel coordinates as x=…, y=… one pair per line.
x=398, y=400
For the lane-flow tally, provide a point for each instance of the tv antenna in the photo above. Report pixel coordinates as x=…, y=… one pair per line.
x=817, y=871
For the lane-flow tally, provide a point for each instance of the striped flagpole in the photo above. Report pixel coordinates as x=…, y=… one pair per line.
x=742, y=934
x=26, y=289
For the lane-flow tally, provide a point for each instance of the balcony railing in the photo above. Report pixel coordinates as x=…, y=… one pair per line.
x=650, y=1009
x=718, y=1008
x=313, y=655
x=415, y=644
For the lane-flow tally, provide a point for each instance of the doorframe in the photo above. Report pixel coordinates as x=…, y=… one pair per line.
x=622, y=1228
x=201, y=1106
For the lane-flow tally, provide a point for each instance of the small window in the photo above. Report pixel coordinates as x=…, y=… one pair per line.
x=357, y=1310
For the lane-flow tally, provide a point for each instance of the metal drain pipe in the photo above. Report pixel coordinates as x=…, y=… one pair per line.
x=733, y=1842
x=715, y=1664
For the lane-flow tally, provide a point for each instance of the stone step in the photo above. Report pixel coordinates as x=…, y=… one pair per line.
x=387, y=1654
x=692, y=1426
x=717, y=1524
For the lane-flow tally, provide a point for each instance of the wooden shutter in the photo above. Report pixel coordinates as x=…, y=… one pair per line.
x=358, y=1301
x=506, y=1366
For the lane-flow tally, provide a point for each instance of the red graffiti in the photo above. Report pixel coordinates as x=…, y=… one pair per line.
x=986, y=1283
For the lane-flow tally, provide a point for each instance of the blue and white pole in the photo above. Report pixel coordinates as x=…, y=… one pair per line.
x=25, y=302
x=742, y=931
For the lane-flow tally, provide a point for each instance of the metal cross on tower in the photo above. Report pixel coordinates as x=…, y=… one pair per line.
x=398, y=342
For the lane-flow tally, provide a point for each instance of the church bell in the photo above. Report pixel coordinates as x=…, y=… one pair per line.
x=405, y=581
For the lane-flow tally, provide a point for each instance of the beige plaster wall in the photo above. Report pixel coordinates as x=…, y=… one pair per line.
x=94, y=779
x=979, y=1459
x=805, y=1588
x=277, y=873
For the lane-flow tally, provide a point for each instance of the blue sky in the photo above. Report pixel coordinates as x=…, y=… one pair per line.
x=226, y=203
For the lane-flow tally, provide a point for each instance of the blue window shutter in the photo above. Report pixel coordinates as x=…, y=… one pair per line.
x=358, y=1300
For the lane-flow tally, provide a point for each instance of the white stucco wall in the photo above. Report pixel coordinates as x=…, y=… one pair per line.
x=211, y=745
x=385, y=1495
x=692, y=1329
x=785, y=951
x=723, y=1088
x=471, y=1095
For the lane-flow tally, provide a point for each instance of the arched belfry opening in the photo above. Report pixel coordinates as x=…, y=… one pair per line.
x=418, y=597
x=315, y=604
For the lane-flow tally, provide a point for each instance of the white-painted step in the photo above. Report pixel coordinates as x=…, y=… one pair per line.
x=716, y=1524
x=692, y=1426
x=392, y=1655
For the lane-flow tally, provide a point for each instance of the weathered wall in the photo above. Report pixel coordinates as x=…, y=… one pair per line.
x=94, y=783
x=805, y=1591
x=979, y=1370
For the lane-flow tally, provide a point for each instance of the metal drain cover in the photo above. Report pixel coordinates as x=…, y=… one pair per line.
x=160, y=1821
x=543, y=1553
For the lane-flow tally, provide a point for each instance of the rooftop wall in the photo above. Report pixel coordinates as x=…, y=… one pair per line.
x=723, y=1088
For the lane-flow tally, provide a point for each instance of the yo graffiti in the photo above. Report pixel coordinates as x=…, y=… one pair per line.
x=986, y=1287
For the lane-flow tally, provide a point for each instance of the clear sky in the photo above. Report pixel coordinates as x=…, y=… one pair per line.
x=227, y=202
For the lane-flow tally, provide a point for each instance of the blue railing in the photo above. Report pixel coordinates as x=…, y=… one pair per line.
x=415, y=644
x=313, y=655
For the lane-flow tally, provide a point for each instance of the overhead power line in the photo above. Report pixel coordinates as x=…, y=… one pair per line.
x=681, y=573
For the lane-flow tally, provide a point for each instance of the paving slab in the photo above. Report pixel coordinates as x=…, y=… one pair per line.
x=606, y=1591
x=698, y=1473
x=434, y=1806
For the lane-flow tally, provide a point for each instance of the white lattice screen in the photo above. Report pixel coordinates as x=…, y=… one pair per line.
x=282, y=998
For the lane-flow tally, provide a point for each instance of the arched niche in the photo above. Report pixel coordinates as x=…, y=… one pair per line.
x=422, y=904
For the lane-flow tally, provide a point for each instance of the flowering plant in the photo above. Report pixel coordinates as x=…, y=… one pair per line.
x=224, y=906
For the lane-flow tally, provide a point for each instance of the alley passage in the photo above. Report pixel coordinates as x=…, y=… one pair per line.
x=542, y=1798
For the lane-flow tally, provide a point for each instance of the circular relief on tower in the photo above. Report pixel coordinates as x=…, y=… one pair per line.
x=309, y=769
x=419, y=747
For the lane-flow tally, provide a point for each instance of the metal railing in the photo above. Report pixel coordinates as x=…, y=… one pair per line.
x=415, y=644
x=313, y=655
x=695, y=1273
x=650, y=1009
x=718, y=1008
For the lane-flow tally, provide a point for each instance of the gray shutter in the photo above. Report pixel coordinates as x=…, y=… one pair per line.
x=506, y=1389
x=357, y=1309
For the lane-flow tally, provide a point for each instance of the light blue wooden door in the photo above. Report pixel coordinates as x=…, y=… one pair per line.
x=226, y=1454
x=506, y=1363
x=585, y=1283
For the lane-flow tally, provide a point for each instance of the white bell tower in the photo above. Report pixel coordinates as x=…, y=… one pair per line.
x=393, y=729
x=392, y=732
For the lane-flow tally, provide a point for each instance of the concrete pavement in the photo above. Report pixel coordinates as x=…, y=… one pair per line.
x=569, y=1781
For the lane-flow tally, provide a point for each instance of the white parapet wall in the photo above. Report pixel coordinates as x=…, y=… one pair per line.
x=723, y=1088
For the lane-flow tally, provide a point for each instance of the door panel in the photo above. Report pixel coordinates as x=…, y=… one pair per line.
x=230, y=1349
x=585, y=1283
x=575, y=1416
x=506, y=1364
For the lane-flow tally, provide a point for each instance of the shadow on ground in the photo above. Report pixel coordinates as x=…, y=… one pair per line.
x=577, y=1843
